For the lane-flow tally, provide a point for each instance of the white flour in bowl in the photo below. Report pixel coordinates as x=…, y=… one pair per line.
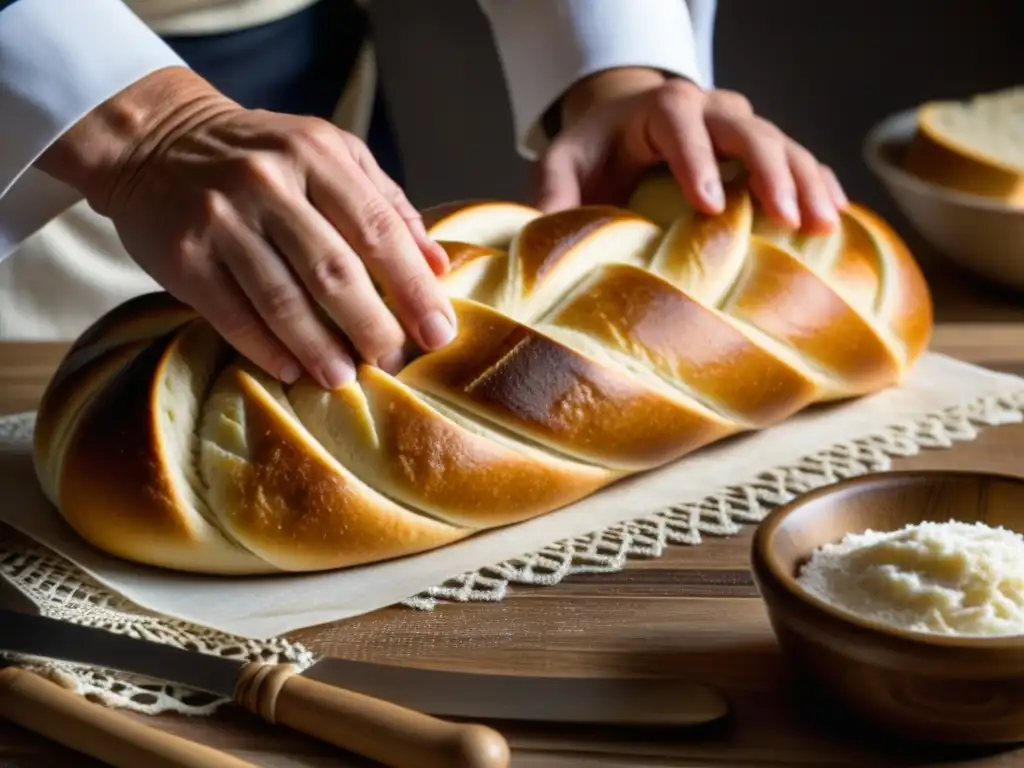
x=949, y=578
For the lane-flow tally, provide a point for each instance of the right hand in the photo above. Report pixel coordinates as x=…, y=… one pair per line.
x=266, y=224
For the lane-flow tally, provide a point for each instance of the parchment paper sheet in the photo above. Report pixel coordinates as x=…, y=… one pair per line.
x=268, y=606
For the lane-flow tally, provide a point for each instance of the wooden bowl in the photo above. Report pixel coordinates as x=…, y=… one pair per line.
x=913, y=684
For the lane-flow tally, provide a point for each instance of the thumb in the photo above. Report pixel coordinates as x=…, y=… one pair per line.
x=557, y=181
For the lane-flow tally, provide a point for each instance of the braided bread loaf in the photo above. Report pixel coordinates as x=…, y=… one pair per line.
x=592, y=344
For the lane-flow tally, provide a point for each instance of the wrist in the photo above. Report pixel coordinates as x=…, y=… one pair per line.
x=95, y=153
x=605, y=86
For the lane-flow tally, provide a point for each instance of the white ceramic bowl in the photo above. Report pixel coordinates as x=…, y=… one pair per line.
x=981, y=235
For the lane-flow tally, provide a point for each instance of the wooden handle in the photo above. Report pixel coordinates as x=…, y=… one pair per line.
x=390, y=734
x=60, y=715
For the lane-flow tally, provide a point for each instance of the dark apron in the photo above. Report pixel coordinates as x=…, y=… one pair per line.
x=297, y=65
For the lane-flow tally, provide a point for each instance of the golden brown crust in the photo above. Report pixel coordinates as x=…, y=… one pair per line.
x=702, y=254
x=490, y=223
x=870, y=267
x=651, y=320
x=474, y=271
x=509, y=374
x=384, y=432
x=910, y=312
x=856, y=267
x=291, y=504
x=544, y=243
x=592, y=344
x=554, y=252
x=63, y=404
x=464, y=255
x=787, y=301
x=90, y=361
x=117, y=486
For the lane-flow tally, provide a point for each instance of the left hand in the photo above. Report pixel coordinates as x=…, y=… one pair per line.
x=619, y=123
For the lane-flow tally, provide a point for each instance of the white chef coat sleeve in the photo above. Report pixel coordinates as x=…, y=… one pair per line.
x=59, y=59
x=547, y=45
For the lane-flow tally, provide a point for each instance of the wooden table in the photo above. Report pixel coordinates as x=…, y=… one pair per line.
x=693, y=613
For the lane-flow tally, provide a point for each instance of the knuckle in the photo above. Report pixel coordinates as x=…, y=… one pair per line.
x=732, y=101
x=260, y=170
x=677, y=94
x=331, y=274
x=186, y=253
x=681, y=88
x=216, y=207
x=802, y=156
x=316, y=133
x=768, y=127
x=356, y=146
x=399, y=200
x=378, y=225
x=280, y=301
x=767, y=132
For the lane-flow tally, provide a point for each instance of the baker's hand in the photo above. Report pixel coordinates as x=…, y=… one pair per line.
x=619, y=123
x=266, y=224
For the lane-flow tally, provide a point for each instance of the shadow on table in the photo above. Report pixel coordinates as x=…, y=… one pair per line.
x=842, y=726
x=774, y=714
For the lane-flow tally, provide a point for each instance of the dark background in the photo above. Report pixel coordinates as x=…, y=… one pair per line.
x=824, y=71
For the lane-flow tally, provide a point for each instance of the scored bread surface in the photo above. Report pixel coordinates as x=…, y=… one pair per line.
x=592, y=344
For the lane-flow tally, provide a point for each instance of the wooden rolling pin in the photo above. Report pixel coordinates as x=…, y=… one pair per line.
x=44, y=707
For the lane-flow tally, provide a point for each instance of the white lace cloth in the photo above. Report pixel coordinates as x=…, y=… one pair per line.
x=62, y=591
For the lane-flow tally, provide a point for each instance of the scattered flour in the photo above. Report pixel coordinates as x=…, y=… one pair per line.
x=949, y=578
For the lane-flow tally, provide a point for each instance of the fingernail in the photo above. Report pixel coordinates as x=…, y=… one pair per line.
x=714, y=193
x=338, y=374
x=788, y=208
x=391, y=362
x=290, y=373
x=440, y=257
x=436, y=330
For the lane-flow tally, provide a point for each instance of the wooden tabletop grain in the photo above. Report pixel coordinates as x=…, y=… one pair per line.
x=693, y=613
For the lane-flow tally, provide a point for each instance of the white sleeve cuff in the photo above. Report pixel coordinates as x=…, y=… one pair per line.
x=547, y=45
x=59, y=59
